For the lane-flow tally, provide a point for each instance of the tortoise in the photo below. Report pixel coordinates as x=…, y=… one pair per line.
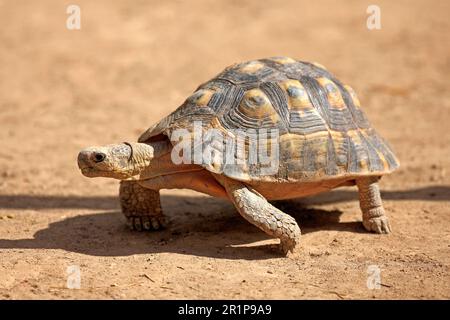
x=320, y=139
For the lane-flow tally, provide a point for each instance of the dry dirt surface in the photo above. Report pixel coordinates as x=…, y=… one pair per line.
x=133, y=62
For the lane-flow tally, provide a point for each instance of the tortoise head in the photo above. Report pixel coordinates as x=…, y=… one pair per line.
x=119, y=161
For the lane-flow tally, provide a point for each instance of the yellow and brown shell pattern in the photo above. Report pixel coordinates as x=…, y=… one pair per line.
x=322, y=131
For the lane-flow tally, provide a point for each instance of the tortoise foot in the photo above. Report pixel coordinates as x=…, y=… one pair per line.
x=288, y=246
x=146, y=223
x=378, y=225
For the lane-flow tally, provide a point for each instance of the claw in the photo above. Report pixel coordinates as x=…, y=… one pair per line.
x=155, y=223
x=288, y=245
x=137, y=224
x=146, y=223
x=379, y=225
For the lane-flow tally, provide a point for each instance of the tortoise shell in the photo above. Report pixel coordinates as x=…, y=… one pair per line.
x=321, y=131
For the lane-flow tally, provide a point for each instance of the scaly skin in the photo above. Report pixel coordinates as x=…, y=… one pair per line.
x=141, y=206
x=259, y=212
x=374, y=218
x=140, y=199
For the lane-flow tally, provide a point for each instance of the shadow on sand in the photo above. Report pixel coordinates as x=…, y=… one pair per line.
x=211, y=229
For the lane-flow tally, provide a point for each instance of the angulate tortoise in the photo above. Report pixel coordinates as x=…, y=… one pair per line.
x=314, y=135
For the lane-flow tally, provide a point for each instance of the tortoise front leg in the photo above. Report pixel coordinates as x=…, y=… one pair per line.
x=141, y=206
x=374, y=218
x=259, y=212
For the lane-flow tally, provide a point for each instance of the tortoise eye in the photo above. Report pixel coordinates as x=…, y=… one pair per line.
x=99, y=157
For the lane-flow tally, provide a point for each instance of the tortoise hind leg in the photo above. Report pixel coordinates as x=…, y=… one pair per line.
x=259, y=212
x=374, y=218
x=141, y=206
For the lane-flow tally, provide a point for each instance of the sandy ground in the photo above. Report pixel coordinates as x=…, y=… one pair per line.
x=134, y=62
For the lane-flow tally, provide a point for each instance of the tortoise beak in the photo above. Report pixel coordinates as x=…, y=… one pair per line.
x=87, y=160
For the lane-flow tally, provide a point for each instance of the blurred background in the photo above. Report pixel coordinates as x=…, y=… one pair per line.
x=133, y=62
